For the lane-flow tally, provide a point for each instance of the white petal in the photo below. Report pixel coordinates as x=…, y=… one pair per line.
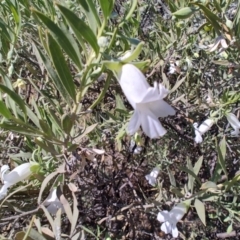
x=215, y=46
x=52, y=202
x=235, y=133
x=174, y=231
x=151, y=180
x=137, y=150
x=151, y=125
x=154, y=173
x=134, y=123
x=133, y=83
x=178, y=212
x=198, y=137
x=4, y=170
x=163, y=216
x=233, y=120
x=224, y=43
x=166, y=227
x=161, y=109
x=162, y=90
x=151, y=95
x=3, y=191
x=205, y=126
x=18, y=174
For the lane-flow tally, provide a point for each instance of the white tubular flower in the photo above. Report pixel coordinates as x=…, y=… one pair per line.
x=204, y=127
x=147, y=102
x=152, y=177
x=171, y=218
x=234, y=122
x=52, y=202
x=18, y=174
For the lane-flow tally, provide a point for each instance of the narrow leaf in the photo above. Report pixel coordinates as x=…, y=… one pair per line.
x=198, y=165
x=53, y=75
x=106, y=6
x=191, y=173
x=4, y=110
x=131, y=10
x=200, y=208
x=44, y=184
x=222, y=154
x=91, y=13
x=80, y=28
x=60, y=64
x=15, y=97
x=67, y=44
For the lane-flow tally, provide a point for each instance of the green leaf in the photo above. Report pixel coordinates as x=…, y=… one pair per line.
x=119, y=103
x=68, y=44
x=198, y=165
x=221, y=148
x=24, y=129
x=45, y=128
x=172, y=178
x=178, y=83
x=212, y=18
x=53, y=75
x=106, y=6
x=134, y=54
x=91, y=14
x=191, y=179
x=4, y=110
x=60, y=64
x=67, y=122
x=80, y=28
x=131, y=10
x=200, y=208
x=33, y=117
x=103, y=92
x=36, y=235
x=15, y=97
x=236, y=21
x=184, y=13
x=208, y=184
x=75, y=213
x=191, y=173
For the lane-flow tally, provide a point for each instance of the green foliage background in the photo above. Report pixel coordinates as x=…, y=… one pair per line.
x=59, y=96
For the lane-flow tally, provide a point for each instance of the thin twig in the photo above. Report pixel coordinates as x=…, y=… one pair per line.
x=19, y=216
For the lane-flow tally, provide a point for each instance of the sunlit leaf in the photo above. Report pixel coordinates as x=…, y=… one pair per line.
x=68, y=44
x=80, y=28
x=91, y=13
x=61, y=66
x=52, y=73
x=106, y=6
x=200, y=208
x=15, y=97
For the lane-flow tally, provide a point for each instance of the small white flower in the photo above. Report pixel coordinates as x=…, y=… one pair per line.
x=220, y=42
x=204, y=127
x=147, y=102
x=234, y=122
x=137, y=150
x=52, y=202
x=152, y=177
x=174, y=67
x=171, y=218
x=18, y=174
